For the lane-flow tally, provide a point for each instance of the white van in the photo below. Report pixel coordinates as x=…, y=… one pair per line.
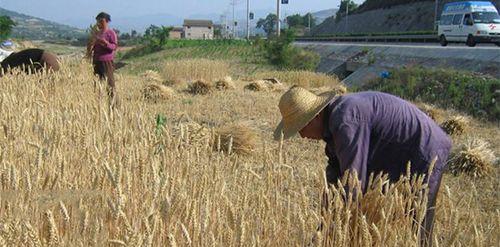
x=470, y=22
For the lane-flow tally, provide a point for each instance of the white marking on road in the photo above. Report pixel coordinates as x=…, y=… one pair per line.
x=491, y=47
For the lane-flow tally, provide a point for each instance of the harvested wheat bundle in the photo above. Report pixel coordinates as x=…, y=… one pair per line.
x=94, y=31
x=272, y=80
x=473, y=157
x=155, y=92
x=232, y=138
x=257, y=86
x=264, y=86
x=338, y=89
x=152, y=76
x=200, y=87
x=455, y=125
x=237, y=138
x=430, y=110
x=225, y=83
x=190, y=132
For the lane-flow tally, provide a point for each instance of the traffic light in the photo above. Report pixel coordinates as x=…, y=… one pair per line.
x=251, y=15
x=284, y=1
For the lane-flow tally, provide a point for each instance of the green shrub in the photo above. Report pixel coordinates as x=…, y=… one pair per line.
x=282, y=53
x=6, y=25
x=472, y=93
x=295, y=58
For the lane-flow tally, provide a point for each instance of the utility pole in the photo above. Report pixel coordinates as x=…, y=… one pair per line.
x=248, y=19
x=309, y=21
x=435, y=14
x=278, y=32
x=347, y=15
x=234, y=26
x=226, y=26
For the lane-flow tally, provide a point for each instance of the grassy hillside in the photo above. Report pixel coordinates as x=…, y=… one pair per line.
x=477, y=95
x=383, y=4
x=383, y=16
x=33, y=28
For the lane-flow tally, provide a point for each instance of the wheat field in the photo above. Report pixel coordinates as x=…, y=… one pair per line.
x=75, y=173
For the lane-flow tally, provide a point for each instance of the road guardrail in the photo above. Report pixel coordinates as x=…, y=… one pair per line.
x=424, y=38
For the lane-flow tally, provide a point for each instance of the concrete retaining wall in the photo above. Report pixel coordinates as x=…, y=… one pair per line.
x=361, y=59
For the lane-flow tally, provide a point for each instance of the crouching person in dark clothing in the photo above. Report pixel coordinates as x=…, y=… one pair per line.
x=31, y=61
x=370, y=132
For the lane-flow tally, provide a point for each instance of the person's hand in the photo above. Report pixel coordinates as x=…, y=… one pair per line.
x=102, y=41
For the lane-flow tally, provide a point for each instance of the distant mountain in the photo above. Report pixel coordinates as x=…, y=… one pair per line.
x=128, y=23
x=322, y=15
x=33, y=28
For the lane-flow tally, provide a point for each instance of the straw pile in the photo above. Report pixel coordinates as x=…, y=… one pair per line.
x=193, y=133
x=200, y=87
x=237, y=138
x=264, y=86
x=430, y=110
x=272, y=80
x=155, y=92
x=225, y=83
x=152, y=76
x=337, y=89
x=455, y=126
x=232, y=138
x=474, y=158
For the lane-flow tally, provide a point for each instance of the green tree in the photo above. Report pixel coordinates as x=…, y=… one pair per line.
x=298, y=21
x=157, y=36
x=295, y=21
x=309, y=17
x=352, y=6
x=125, y=36
x=268, y=24
x=150, y=31
x=6, y=25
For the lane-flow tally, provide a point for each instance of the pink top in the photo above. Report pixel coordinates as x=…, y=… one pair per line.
x=106, y=53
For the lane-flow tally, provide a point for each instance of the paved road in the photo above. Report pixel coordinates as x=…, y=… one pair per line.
x=491, y=47
x=482, y=52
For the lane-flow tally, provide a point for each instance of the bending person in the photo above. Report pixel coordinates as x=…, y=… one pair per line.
x=369, y=132
x=30, y=61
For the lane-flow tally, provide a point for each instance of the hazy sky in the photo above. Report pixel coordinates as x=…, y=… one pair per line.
x=61, y=10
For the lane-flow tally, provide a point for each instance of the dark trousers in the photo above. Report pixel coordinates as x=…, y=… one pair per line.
x=427, y=227
x=105, y=71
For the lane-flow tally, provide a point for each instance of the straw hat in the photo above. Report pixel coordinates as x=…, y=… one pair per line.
x=298, y=107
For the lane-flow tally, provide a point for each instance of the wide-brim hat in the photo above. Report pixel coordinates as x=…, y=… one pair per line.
x=298, y=107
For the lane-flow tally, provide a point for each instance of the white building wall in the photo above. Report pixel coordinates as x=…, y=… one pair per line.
x=198, y=32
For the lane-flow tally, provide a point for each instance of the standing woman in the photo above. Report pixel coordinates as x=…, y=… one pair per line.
x=103, y=44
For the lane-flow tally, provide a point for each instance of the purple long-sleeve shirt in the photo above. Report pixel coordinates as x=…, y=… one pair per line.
x=106, y=53
x=377, y=132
